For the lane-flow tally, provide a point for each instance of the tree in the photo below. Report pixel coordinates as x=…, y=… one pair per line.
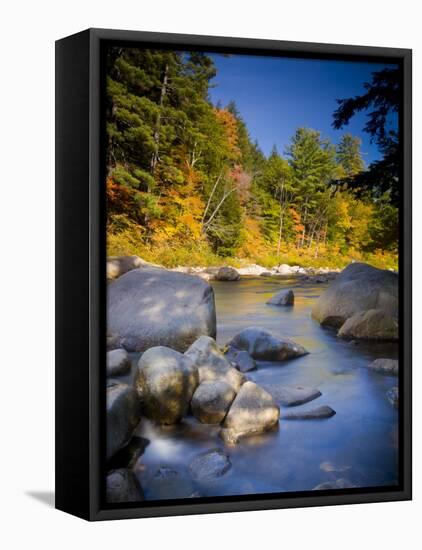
x=348, y=156
x=312, y=162
x=382, y=99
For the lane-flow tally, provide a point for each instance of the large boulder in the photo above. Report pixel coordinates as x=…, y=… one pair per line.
x=211, y=401
x=282, y=298
x=150, y=307
x=253, y=411
x=359, y=287
x=262, y=345
x=123, y=415
x=212, y=365
x=119, y=265
x=374, y=324
x=165, y=381
x=118, y=362
x=122, y=486
x=227, y=274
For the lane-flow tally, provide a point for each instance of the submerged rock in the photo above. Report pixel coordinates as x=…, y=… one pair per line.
x=212, y=365
x=211, y=401
x=328, y=466
x=168, y=483
x=374, y=324
x=312, y=414
x=282, y=298
x=393, y=396
x=262, y=345
x=385, y=366
x=227, y=274
x=341, y=483
x=123, y=415
x=359, y=287
x=165, y=381
x=253, y=411
x=290, y=396
x=118, y=362
x=210, y=465
x=150, y=307
x=122, y=486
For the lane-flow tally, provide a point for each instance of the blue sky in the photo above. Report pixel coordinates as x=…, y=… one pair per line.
x=277, y=95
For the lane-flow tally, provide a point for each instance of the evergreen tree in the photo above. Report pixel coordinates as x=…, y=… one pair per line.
x=348, y=156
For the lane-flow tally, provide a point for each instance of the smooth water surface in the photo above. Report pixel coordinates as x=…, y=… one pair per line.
x=359, y=444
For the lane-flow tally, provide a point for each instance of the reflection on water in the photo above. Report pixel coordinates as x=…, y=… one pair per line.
x=359, y=443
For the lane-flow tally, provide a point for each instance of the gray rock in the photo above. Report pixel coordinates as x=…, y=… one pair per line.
x=227, y=274
x=112, y=341
x=285, y=269
x=211, y=401
x=165, y=381
x=118, y=362
x=122, y=486
x=393, y=396
x=359, y=287
x=242, y=361
x=373, y=324
x=385, y=366
x=282, y=298
x=150, y=307
x=212, y=365
x=262, y=345
x=210, y=465
x=341, y=483
x=211, y=270
x=290, y=396
x=123, y=415
x=119, y=265
x=312, y=414
x=252, y=412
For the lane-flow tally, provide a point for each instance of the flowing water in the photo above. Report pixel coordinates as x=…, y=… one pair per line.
x=359, y=444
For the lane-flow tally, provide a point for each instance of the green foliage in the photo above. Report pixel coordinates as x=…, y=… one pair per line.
x=382, y=99
x=348, y=156
x=186, y=185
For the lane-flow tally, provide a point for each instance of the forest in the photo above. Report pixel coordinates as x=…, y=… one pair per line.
x=186, y=184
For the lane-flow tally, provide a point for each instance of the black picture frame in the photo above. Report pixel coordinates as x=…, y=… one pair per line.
x=81, y=282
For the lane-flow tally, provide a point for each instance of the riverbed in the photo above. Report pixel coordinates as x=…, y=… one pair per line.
x=358, y=447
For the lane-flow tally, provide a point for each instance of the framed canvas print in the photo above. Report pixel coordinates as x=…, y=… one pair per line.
x=233, y=274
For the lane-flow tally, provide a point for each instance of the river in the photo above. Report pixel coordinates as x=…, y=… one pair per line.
x=359, y=445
